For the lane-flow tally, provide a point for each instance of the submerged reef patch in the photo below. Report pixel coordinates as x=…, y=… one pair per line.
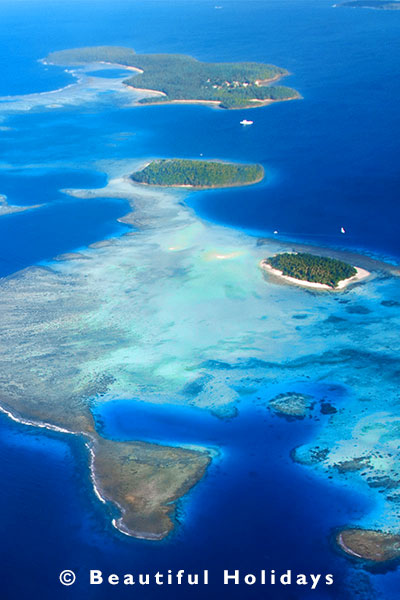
x=177, y=311
x=292, y=405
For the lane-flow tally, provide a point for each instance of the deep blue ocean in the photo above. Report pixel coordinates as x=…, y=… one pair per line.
x=331, y=161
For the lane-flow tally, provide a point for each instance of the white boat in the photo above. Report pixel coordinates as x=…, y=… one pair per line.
x=246, y=122
x=342, y=230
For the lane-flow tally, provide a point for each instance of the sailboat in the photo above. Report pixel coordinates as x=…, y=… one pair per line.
x=342, y=230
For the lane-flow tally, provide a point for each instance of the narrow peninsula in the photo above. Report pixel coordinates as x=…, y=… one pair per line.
x=313, y=271
x=198, y=174
x=179, y=78
x=139, y=482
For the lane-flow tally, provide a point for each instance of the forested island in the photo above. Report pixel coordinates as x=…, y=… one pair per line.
x=199, y=174
x=375, y=4
x=109, y=54
x=181, y=78
x=310, y=268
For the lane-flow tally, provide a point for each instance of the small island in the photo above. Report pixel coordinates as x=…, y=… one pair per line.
x=177, y=78
x=198, y=174
x=313, y=271
x=374, y=4
x=369, y=544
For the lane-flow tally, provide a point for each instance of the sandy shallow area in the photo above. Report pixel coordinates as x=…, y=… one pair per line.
x=177, y=308
x=9, y=209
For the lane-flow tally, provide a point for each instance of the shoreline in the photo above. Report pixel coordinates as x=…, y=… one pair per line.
x=378, y=263
x=112, y=64
x=370, y=545
x=56, y=429
x=44, y=61
x=266, y=82
x=257, y=103
x=212, y=103
x=253, y=103
x=344, y=548
x=150, y=93
x=10, y=209
x=360, y=275
x=89, y=441
x=117, y=523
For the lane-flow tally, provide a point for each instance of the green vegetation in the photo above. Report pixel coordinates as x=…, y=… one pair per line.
x=75, y=56
x=377, y=4
x=308, y=267
x=233, y=85
x=198, y=173
x=180, y=77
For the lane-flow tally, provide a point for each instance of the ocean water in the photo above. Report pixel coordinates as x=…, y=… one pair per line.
x=252, y=486
x=331, y=162
x=31, y=237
